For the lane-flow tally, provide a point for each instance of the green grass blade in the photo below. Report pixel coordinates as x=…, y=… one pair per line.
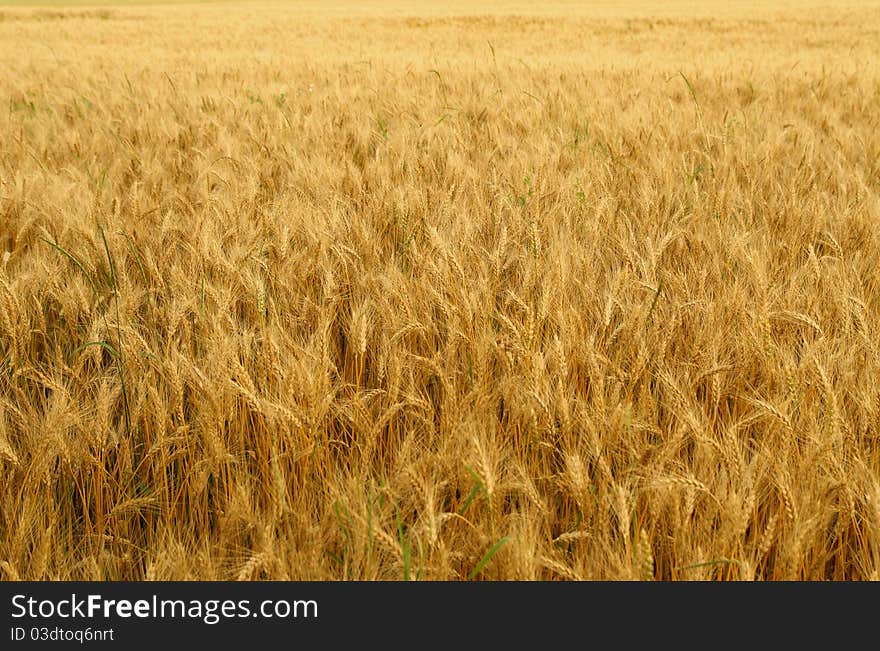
x=716, y=561
x=103, y=344
x=488, y=557
x=137, y=258
x=471, y=497
x=405, y=548
x=79, y=265
x=113, y=283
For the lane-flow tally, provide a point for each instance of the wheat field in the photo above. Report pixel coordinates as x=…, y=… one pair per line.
x=471, y=290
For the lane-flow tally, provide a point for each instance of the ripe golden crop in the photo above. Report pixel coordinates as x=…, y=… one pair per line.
x=393, y=291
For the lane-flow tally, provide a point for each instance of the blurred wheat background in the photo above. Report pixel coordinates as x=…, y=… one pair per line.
x=488, y=290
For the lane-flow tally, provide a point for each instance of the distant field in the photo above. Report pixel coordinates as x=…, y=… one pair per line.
x=466, y=290
x=66, y=4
